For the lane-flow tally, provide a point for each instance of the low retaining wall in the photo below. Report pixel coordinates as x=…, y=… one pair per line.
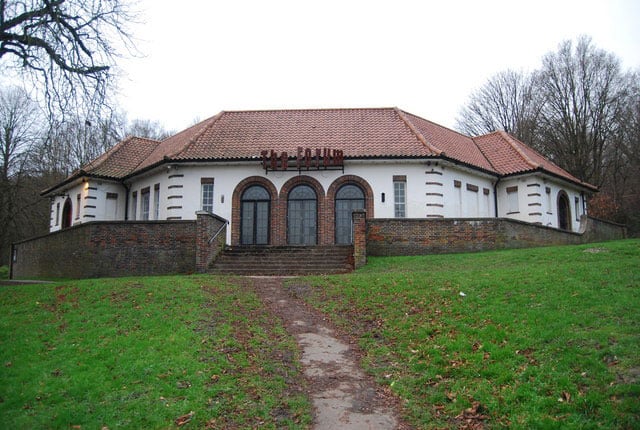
x=138, y=248
x=120, y=248
x=386, y=237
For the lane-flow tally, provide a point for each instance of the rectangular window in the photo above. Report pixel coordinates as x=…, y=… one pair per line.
x=399, y=196
x=206, y=194
x=156, y=201
x=145, y=203
x=58, y=214
x=549, y=202
x=78, y=198
x=577, y=208
x=512, y=200
x=134, y=205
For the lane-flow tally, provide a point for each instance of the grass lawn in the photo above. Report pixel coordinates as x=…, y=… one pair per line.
x=535, y=338
x=142, y=353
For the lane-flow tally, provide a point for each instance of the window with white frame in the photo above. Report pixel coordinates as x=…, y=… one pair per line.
x=206, y=194
x=513, y=205
x=145, y=203
x=400, y=196
x=577, y=208
x=156, y=201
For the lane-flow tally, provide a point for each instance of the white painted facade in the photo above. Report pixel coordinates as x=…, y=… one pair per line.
x=434, y=189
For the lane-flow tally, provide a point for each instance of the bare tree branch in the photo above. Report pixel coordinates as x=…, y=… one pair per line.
x=66, y=47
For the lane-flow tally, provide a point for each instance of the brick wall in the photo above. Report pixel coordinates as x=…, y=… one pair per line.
x=211, y=234
x=100, y=249
x=438, y=236
x=359, y=238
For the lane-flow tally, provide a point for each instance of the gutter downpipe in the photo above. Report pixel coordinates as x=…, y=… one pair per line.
x=126, y=201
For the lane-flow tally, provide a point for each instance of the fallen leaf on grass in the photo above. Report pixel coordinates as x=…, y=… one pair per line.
x=565, y=397
x=472, y=418
x=184, y=419
x=183, y=384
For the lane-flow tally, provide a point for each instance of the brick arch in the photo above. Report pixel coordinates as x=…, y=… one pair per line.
x=319, y=189
x=331, y=199
x=235, y=206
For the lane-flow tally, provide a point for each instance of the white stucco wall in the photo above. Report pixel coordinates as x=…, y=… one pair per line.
x=93, y=202
x=434, y=189
x=538, y=200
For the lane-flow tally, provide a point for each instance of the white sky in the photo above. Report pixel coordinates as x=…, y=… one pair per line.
x=425, y=57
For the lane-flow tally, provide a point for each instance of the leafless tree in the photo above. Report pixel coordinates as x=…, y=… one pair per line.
x=20, y=128
x=73, y=141
x=19, y=125
x=67, y=47
x=585, y=96
x=506, y=102
x=581, y=110
x=146, y=128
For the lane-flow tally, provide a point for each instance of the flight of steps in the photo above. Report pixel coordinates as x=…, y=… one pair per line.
x=284, y=260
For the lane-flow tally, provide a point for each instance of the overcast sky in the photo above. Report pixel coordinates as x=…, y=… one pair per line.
x=424, y=57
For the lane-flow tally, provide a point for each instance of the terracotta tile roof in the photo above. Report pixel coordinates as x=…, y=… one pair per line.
x=123, y=159
x=359, y=133
x=451, y=144
x=510, y=156
x=243, y=135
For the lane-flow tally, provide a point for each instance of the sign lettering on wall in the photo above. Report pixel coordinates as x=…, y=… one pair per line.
x=303, y=159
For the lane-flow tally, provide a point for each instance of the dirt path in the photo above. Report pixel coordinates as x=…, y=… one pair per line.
x=343, y=396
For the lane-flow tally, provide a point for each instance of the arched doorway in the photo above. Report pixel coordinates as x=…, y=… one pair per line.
x=302, y=216
x=67, y=213
x=254, y=216
x=348, y=198
x=564, y=213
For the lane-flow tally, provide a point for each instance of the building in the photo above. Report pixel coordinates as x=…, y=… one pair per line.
x=295, y=176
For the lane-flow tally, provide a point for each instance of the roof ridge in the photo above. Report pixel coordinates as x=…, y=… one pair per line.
x=437, y=125
x=512, y=141
x=308, y=110
x=96, y=162
x=146, y=155
x=493, y=166
x=206, y=124
x=415, y=131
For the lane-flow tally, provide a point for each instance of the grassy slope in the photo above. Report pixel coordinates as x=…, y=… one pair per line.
x=142, y=352
x=546, y=337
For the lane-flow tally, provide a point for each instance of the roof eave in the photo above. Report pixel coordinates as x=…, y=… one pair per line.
x=74, y=178
x=542, y=170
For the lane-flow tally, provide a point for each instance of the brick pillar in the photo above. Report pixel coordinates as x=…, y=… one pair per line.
x=359, y=238
x=207, y=246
